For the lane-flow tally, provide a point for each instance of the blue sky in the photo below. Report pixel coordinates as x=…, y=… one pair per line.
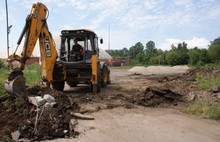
x=165, y=22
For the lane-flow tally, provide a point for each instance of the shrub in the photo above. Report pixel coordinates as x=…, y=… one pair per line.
x=204, y=109
x=206, y=81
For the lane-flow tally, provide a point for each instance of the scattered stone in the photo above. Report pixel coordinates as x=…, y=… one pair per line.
x=218, y=95
x=37, y=101
x=49, y=98
x=191, y=96
x=216, y=89
x=47, y=105
x=65, y=131
x=82, y=116
x=53, y=104
x=50, y=105
x=24, y=140
x=72, y=124
x=15, y=135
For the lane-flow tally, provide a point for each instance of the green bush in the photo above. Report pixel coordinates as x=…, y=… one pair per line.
x=206, y=81
x=204, y=109
x=2, y=63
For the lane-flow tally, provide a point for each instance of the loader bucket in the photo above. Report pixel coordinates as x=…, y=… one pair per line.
x=16, y=86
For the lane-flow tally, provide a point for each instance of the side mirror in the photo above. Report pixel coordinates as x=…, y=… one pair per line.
x=101, y=41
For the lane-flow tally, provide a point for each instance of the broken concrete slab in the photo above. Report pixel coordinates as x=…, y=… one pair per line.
x=15, y=135
x=49, y=98
x=37, y=101
x=47, y=104
x=82, y=116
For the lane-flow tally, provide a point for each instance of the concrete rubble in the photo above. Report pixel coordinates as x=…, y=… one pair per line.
x=37, y=101
x=47, y=101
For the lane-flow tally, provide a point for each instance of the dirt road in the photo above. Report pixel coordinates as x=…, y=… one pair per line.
x=121, y=117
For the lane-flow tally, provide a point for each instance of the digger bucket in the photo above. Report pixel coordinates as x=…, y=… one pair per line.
x=16, y=86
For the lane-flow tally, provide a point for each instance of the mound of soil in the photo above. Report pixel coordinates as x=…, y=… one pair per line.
x=156, y=96
x=207, y=71
x=17, y=114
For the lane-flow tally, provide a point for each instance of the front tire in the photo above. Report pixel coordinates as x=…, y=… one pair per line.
x=58, y=85
x=72, y=83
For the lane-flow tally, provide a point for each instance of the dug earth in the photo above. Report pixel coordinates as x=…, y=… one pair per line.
x=141, y=104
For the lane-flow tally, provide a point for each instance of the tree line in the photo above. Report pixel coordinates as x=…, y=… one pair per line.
x=177, y=55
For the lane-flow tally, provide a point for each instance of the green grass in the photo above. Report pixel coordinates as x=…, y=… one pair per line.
x=206, y=81
x=31, y=73
x=3, y=77
x=204, y=109
x=5, y=138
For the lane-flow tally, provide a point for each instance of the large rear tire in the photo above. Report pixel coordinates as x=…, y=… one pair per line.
x=105, y=76
x=58, y=85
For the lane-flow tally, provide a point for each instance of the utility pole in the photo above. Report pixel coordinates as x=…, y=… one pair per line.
x=8, y=28
x=109, y=38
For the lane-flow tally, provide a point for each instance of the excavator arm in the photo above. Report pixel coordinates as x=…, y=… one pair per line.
x=35, y=28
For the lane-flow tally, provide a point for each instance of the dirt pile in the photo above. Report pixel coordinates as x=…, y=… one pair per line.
x=191, y=73
x=156, y=96
x=41, y=123
x=158, y=69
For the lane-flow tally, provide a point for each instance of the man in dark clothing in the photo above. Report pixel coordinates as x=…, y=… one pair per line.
x=76, y=47
x=78, y=50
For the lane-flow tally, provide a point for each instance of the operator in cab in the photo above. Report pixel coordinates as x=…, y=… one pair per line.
x=77, y=49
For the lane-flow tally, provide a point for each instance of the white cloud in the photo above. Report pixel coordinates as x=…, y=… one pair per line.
x=199, y=42
x=132, y=20
x=118, y=39
x=80, y=5
x=150, y=4
x=61, y=4
x=191, y=43
x=2, y=15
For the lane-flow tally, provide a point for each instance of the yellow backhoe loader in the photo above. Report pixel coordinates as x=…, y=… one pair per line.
x=70, y=67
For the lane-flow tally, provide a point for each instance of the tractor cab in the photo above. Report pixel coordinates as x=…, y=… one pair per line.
x=87, y=40
x=79, y=56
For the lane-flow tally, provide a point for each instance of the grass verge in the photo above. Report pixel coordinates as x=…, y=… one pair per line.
x=206, y=82
x=3, y=77
x=31, y=73
x=204, y=109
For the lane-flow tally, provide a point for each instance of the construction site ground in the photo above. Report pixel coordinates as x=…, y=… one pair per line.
x=139, y=105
